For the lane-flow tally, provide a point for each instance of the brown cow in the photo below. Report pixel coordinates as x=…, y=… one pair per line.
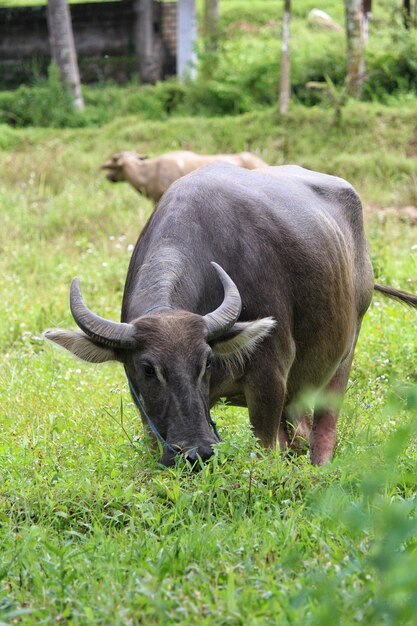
x=152, y=177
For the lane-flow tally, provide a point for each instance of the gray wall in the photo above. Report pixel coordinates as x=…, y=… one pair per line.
x=104, y=34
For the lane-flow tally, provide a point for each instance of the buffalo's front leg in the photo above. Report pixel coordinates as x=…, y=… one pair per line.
x=298, y=428
x=265, y=403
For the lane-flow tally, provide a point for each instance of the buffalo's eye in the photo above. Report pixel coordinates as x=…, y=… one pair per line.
x=149, y=370
x=210, y=361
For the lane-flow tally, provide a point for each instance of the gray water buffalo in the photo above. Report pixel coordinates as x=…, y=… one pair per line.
x=244, y=285
x=152, y=177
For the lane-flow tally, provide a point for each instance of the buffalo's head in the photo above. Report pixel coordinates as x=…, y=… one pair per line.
x=169, y=356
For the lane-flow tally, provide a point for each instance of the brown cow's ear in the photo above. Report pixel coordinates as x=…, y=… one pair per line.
x=238, y=343
x=79, y=344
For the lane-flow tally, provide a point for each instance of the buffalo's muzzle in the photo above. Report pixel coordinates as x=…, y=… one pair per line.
x=192, y=455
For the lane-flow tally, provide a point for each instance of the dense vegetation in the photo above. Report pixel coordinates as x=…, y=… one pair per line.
x=244, y=74
x=92, y=531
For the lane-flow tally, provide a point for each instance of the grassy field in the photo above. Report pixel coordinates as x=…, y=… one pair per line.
x=92, y=530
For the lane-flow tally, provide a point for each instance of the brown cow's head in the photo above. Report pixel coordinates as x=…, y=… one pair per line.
x=169, y=356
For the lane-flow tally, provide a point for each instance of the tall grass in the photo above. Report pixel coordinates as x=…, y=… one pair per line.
x=373, y=146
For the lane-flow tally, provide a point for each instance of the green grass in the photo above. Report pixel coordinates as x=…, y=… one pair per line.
x=92, y=531
x=373, y=146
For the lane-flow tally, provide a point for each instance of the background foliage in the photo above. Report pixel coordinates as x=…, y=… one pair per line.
x=243, y=75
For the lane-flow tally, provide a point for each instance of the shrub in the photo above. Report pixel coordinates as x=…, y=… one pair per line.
x=392, y=65
x=46, y=104
x=215, y=97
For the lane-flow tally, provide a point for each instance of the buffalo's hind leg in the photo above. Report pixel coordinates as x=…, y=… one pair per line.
x=323, y=432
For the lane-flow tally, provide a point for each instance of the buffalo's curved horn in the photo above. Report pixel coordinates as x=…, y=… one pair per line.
x=223, y=318
x=102, y=331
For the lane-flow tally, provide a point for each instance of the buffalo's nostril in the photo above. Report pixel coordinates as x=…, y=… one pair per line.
x=192, y=456
x=202, y=452
x=168, y=458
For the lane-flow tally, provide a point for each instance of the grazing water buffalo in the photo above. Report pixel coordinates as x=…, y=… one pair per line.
x=153, y=176
x=277, y=314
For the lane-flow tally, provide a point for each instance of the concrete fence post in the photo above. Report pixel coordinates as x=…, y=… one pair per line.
x=186, y=40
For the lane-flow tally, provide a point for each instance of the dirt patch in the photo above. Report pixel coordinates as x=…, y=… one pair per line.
x=406, y=214
x=248, y=27
x=412, y=147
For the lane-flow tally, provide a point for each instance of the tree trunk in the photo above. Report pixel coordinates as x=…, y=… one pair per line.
x=355, y=46
x=148, y=44
x=186, y=40
x=284, y=89
x=63, y=49
x=366, y=14
x=407, y=13
x=211, y=18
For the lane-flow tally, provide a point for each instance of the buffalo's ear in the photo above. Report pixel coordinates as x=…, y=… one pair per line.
x=238, y=343
x=81, y=345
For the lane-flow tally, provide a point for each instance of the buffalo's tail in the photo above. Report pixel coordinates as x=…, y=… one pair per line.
x=397, y=294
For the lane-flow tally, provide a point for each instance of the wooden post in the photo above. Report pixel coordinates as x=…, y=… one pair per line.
x=211, y=19
x=355, y=46
x=285, y=87
x=61, y=40
x=186, y=40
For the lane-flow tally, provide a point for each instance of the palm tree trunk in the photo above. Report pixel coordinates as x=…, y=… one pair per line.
x=148, y=44
x=63, y=49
